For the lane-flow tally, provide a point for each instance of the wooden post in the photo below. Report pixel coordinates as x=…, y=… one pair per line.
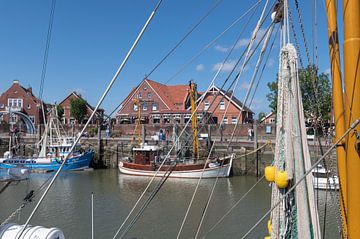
x=117, y=154
x=255, y=147
x=99, y=145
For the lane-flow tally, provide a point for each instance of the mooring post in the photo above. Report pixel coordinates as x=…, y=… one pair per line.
x=255, y=148
x=99, y=145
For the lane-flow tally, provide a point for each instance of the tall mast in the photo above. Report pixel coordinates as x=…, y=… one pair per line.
x=337, y=93
x=351, y=10
x=194, y=118
x=138, y=123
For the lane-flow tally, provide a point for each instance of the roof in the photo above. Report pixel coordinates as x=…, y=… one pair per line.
x=73, y=93
x=173, y=96
x=228, y=96
x=267, y=116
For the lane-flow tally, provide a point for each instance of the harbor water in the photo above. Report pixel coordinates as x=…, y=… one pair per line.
x=68, y=206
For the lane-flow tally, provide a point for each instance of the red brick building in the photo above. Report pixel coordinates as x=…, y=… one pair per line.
x=164, y=104
x=69, y=119
x=20, y=99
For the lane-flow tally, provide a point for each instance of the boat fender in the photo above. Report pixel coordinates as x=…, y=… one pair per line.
x=281, y=179
x=267, y=237
x=270, y=173
x=269, y=227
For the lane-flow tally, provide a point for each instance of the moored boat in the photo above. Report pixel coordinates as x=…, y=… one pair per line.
x=148, y=159
x=323, y=179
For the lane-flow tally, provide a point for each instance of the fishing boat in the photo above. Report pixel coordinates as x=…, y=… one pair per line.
x=323, y=179
x=149, y=160
x=54, y=146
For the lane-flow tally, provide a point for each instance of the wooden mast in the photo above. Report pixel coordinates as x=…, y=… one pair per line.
x=194, y=119
x=338, y=104
x=351, y=10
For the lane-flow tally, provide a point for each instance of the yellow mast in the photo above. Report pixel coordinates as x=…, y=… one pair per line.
x=138, y=123
x=351, y=16
x=194, y=118
x=337, y=92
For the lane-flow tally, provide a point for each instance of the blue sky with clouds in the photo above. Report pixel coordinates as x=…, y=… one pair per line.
x=90, y=39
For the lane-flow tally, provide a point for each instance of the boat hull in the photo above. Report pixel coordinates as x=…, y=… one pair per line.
x=180, y=171
x=78, y=162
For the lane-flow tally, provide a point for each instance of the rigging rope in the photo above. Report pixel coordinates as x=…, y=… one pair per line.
x=93, y=113
x=45, y=59
x=276, y=204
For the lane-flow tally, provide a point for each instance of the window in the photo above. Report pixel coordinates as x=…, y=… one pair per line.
x=139, y=95
x=154, y=106
x=149, y=96
x=234, y=120
x=15, y=102
x=145, y=87
x=145, y=106
x=29, y=106
x=222, y=105
x=2, y=106
x=225, y=120
x=32, y=118
x=135, y=107
x=206, y=105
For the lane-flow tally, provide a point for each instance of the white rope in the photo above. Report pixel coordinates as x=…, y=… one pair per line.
x=92, y=115
x=193, y=196
x=353, y=125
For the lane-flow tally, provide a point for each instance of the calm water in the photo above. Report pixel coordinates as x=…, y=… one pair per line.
x=68, y=206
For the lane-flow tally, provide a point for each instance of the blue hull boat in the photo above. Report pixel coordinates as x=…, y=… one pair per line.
x=75, y=162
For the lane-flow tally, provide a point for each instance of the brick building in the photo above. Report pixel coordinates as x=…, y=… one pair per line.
x=20, y=99
x=69, y=119
x=164, y=104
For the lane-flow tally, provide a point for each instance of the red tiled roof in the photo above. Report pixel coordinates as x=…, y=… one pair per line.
x=174, y=96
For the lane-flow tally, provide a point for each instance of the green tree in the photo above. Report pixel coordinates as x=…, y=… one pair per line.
x=60, y=111
x=261, y=115
x=315, y=92
x=78, y=109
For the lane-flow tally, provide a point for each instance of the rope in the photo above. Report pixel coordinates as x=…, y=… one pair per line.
x=354, y=124
x=233, y=207
x=93, y=113
x=193, y=196
x=255, y=150
x=45, y=59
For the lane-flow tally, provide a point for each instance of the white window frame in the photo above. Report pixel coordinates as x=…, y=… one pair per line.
x=139, y=95
x=225, y=120
x=154, y=106
x=206, y=105
x=144, y=106
x=222, y=105
x=15, y=102
x=135, y=107
x=234, y=120
x=149, y=95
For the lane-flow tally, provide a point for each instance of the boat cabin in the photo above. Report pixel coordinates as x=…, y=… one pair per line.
x=147, y=154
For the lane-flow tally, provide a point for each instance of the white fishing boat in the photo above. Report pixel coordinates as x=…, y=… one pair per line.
x=324, y=179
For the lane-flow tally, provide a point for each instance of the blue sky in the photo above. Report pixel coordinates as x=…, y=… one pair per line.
x=90, y=39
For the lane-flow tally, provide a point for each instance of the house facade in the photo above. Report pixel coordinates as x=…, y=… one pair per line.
x=69, y=119
x=169, y=104
x=20, y=99
x=224, y=107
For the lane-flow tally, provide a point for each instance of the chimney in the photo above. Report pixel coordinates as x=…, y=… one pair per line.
x=29, y=90
x=15, y=81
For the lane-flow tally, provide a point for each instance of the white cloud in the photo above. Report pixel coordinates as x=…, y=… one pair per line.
x=200, y=67
x=327, y=71
x=228, y=66
x=270, y=63
x=245, y=85
x=221, y=48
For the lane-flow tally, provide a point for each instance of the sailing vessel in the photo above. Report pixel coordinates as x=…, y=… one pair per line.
x=53, y=147
x=149, y=160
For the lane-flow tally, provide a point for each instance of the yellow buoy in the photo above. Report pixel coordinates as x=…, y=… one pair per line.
x=270, y=173
x=268, y=237
x=281, y=179
x=269, y=227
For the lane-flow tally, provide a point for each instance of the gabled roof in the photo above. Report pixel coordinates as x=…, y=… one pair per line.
x=173, y=96
x=227, y=95
x=27, y=91
x=76, y=95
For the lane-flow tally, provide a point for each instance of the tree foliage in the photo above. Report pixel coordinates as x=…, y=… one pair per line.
x=78, y=109
x=261, y=115
x=60, y=111
x=315, y=92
